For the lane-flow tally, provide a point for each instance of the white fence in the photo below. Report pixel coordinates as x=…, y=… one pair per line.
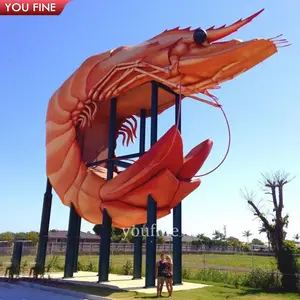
x=120, y=248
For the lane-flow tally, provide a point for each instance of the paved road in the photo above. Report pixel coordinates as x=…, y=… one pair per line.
x=19, y=292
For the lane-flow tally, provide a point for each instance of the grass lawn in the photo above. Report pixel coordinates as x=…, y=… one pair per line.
x=191, y=262
x=207, y=293
x=238, y=263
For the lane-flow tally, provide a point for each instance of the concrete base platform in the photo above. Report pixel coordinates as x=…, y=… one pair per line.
x=119, y=282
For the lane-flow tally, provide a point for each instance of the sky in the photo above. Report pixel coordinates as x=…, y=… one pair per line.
x=39, y=53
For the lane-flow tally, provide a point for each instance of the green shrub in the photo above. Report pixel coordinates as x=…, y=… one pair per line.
x=187, y=273
x=291, y=246
x=91, y=267
x=289, y=266
x=257, y=278
x=260, y=278
x=80, y=265
x=53, y=264
x=216, y=276
x=127, y=268
x=24, y=266
x=246, y=248
x=111, y=267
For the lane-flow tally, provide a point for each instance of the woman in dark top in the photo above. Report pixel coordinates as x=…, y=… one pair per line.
x=169, y=275
x=161, y=273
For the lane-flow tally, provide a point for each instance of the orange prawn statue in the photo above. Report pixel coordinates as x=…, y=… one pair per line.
x=77, y=123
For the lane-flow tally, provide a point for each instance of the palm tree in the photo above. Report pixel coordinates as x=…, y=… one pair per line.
x=247, y=234
x=200, y=236
x=297, y=237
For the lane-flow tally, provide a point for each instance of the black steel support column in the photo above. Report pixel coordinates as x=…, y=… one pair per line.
x=151, y=242
x=142, y=132
x=178, y=112
x=44, y=228
x=138, y=252
x=177, y=216
x=154, y=113
x=106, y=222
x=104, y=247
x=71, y=242
x=16, y=257
x=78, y=227
x=138, y=241
x=152, y=206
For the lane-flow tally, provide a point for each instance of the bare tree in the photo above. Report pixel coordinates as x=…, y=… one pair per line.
x=286, y=262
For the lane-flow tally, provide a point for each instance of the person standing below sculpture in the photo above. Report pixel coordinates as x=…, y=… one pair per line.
x=161, y=273
x=169, y=275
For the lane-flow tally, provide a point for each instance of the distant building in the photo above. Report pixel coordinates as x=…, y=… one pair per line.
x=61, y=237
x=260, y=248
x=186, y=239
x=5, y=244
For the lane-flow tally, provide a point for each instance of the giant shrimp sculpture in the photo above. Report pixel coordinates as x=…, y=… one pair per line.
x=189, y=62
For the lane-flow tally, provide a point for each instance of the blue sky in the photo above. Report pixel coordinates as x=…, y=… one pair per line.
x=39, y=53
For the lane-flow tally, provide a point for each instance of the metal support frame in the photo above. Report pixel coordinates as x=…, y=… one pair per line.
x=16, y=258
x=116, y=160
x=72, y=242
x=152, y=206
x=138, y=253
x=76, y=246
x=44, y=227
x=104, y=247
x=106, y=221
x=75, y=221
x=177, y=216
x=151, y=242
x=138, y=241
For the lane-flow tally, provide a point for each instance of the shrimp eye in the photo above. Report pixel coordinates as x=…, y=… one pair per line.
x=200, y=36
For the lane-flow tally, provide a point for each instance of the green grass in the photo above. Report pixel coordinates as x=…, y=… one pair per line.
x=192, y=271
x=197, y=261
x=237, y=263
x=208, y=293
x=227, y=269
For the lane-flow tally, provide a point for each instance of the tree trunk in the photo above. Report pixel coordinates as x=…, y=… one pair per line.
x=286, y=264
x=288, y=268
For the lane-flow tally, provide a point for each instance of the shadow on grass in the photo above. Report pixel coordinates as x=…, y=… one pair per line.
x=148, y=297
x=76, y=287
x=243, y=291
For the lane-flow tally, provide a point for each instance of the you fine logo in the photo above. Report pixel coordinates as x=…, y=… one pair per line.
x=32, y=7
